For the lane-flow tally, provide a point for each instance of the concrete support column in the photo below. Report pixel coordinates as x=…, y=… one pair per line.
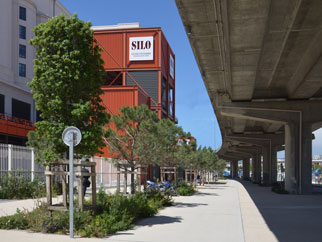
x=246, y=168
x=253, y=170
x=306, y=161
x=274, y=164
x=257, y=168
x=266, y=165
x=298, y=158
x=234, y=169
x=291, y=157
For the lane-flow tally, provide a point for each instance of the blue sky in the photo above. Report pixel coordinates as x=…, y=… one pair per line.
x=193, y=107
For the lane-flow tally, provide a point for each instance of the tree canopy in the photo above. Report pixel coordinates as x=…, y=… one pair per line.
x=67, y=87
x=127, y=135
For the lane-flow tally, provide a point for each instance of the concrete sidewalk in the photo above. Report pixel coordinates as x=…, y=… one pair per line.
x=290, y=218
x=213, y=214
x=228, y=211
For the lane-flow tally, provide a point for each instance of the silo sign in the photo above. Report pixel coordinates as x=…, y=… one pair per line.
x=141, y=48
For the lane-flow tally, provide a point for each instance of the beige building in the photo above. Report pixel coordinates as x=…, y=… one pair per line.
x=17, y=19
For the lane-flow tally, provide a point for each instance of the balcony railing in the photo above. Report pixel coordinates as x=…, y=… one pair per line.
x=16, y=120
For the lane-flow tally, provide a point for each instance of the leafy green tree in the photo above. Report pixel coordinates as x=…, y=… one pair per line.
x=67, y=87
x=169, y=135
x=125, y=139
x=220, y=166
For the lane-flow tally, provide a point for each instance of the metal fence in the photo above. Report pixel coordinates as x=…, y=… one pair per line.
x=19, y=160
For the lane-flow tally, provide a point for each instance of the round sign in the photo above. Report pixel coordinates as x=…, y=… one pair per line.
x=68, y=135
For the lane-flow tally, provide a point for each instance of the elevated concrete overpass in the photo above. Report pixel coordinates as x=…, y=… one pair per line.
x=262, y=67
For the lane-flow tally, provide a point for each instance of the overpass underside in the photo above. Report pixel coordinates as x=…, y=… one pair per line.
x=262, y=67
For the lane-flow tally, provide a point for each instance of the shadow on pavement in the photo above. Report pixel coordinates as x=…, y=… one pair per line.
x=206, y=194
x=189, y=205
x=292, y=218
x=158, y=220
x=213, y=188
x=218, y=183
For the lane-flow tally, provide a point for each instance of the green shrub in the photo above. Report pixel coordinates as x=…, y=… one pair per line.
x=114, y=213
x=185, y=190
x=104, y=224
x=17, y=221
x=20, y=187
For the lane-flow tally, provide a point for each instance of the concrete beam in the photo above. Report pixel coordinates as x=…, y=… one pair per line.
x=275, y=112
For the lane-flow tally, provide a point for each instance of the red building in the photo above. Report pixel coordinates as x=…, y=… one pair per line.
x=140, y=69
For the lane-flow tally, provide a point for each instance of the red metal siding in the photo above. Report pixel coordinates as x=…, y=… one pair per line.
x=165, y=68
x=164, y=56
x=112, y=49
x=115, y=48
x=143, y=99
x=117, y=97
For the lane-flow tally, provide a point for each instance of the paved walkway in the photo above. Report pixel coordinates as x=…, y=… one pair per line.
x=226, y=211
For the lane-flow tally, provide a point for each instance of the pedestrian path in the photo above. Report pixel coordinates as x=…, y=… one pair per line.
x=289, y=218
x=213, y=214
x=228, y=211
x=9, y=207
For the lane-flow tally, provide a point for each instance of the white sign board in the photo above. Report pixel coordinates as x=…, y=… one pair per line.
x=141, y=48
x=68, y=135
x=171, y=66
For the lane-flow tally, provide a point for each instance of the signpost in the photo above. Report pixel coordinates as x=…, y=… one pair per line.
x=71, y=137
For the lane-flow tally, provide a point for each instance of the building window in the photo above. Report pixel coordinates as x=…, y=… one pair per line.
x=22, y=70
x=22, y=32
x=22, y=13
x=21, y=109
x=22, y=51
x=1, y=104
x=164, y=93
x=38, y=118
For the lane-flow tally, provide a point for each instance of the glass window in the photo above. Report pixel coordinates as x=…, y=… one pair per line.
x=20, y=109
x=164, y=93
x=22, y=13
x=22, y=51
x=1, y=104
x=22, y=32
x=170, y=102
x=22, y=70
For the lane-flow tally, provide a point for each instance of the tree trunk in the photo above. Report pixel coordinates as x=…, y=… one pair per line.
x=132, y=180
x=118, y=180
x=125, y=181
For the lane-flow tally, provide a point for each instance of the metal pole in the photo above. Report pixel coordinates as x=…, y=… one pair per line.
x=71, y=185
x=32, y=165
x=9, y=159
